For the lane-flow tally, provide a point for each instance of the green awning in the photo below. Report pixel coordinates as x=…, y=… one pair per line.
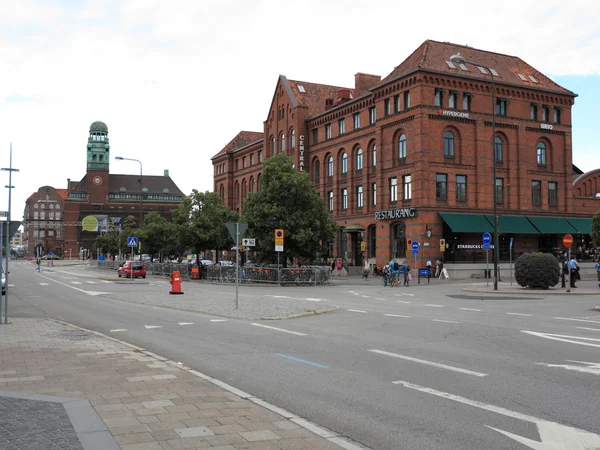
x=467, y=223
x=583, y=226
x=514, y=225
x=552, y=225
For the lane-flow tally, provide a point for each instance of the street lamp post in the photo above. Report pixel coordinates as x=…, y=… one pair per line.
x=120, y=158
x=458, y=59
x=10, y=170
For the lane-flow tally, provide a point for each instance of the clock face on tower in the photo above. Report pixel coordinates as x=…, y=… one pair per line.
x=97, y=180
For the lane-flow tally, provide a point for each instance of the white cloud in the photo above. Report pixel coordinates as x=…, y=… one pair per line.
x=175, y=81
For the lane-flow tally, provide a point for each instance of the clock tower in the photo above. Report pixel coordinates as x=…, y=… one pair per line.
x=98, y=156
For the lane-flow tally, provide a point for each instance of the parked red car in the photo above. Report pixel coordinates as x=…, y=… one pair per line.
x=132, y=269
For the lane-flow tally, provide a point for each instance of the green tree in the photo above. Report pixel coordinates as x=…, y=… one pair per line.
x=114, y=240
x=157, y=235
x=200, y=223
x=596, y=229
x=288, y=200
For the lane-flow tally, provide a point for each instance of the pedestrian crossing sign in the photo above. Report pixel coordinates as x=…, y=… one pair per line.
x=132, y=241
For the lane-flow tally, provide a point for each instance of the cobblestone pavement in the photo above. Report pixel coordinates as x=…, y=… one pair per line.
x=112, y=391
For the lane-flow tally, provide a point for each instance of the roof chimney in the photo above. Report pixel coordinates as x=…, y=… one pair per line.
x=166, y=172
x=343, y=96
x=364, y=81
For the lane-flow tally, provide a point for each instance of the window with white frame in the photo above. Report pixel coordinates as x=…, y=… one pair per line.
x=341, y=126
x=330, y=166
x=293, y=139
x=372, y=115
x=374, y=193
x=402, y=146
x=393, y=189
x=407, y=184
x=359, y=196
x=328, y=131
x=345, y=198
x=344, y=162
x=330, y=200
x=374, y=155
x=359, y=159
x=356, y=119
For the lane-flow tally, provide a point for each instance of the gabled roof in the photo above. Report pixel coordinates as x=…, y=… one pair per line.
x=154, y=183
x=64, y=193
x=432, y=55
x=242, y=139
x=314, y=95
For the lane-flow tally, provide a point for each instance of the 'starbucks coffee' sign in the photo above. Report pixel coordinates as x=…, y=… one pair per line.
x=401, y=213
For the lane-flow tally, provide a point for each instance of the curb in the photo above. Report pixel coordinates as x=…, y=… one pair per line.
x=331, y=436
x=527, y=292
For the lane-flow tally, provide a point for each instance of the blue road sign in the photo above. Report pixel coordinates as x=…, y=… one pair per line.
x=415, y=245
x=511, y=242
x=415, y=251
x=132, y=241
x=51, y=253
x=486, y=246
x=486, y=238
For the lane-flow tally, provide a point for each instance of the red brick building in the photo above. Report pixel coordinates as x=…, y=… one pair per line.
x=99, y=201
x=409, y=157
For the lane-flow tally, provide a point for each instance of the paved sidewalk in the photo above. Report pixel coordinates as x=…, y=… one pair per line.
x=65, y=387
x=584, y=287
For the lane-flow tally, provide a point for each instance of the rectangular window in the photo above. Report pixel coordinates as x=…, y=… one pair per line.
x=499, y=190
x=341, y=126
x=438, y=99
x=372, y=115
x=556, y=115
x=42, y=215
x=50, y=232
x=461, y=188
x=260, y=156
x=545, y=113
x=51, y=215
x=466, y=101
x=552, y=193
x=42, y=233
x=57, y=215
x=330, y=200
x=441, y=186
x=359, y=196
x=452, y=98
x=533, y=111
x=387, y=107
x=328, y=131
x=35, y=215
x=57, y=233
x=407, y=184
x=243, y=162
x=345, y=198
x=501, y=104
x=536, y=193
x=252, y=159
x=35, y=233
x=237, y=164
x=406, y=100
x=374, y=193
x=356, y=119
x=315, y=136
x=393, y=189
x=396, y=103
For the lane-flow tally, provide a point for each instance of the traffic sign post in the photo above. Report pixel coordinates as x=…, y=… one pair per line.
x=415, y=250
x=248, y=242
x=486, y=238
x=510, y=247
x=236, y=229
x=567, y=242
x=279, y=235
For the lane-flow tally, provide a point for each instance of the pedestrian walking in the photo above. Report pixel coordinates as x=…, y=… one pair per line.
x=338, y=266
x=386, y=272
x=437, y=268
x=38, y=263
x=429, y=268
x=366, y=270
x=597, y=266
x=407, y=276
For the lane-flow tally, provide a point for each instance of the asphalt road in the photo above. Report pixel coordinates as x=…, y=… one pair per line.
x=425, y=367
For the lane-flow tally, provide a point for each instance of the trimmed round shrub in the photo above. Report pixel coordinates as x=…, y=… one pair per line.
x=537, y=270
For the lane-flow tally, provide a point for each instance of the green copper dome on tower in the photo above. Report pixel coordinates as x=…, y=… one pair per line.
x=98, y=126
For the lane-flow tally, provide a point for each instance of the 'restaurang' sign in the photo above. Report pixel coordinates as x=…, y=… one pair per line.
x=401, y=213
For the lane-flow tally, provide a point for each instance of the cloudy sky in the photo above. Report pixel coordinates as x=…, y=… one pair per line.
x=176, y=80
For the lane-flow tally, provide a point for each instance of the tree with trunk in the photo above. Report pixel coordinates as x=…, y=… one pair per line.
x=596, y=229
x=288, y=200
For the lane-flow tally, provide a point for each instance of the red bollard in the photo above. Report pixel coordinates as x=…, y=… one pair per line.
x=175, y=280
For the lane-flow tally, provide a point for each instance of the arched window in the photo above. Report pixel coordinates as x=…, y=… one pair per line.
x=272, y=145
x=293, y=139
x=498, y=150
x=402, y=146
x=541, y=154
x=317, y=170
x=359, y=159
x=374, y=155
x=252, y=184
x=448, y=144
x=282, y=142
x=237, y=194
x=244, y=189
x=330, y=166
x=258, y=183
x=222, y=193
x=344, y=162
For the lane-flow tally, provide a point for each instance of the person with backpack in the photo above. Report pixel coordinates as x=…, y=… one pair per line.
x=395, y=269
x=38, y=263
x=597, y=266
x=406, y=270
x=386, y=272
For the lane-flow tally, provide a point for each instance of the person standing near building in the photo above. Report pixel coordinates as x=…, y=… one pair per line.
x=574, y=269
x=437, y=267
x=338, y=266
x=429, y=268
x=386, y=273
x=406, y=271
x=597, y=266
x=395, y=268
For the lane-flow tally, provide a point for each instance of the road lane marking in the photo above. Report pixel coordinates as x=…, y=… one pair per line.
x=149, y=327
x=587, y=367
x=186, y=323
x=397, y=315
x=278, y=329
x=44, y=284
x=403, y=294
x=577, y=320
x=471, y=309
x=294, y=298
x=590, y=329
x=435, y=306
x=518, y=314
x=364, y=296
x=406, y=303
x=310, y=363
x=218, y=320
x=117, y=330
x=106, y=281
x=76, y=282
x=93, y=293
x=552, y=435
x=310, y=299
x=430, y=363
x=444, y=321
x=357, y=311
x=91, y=282
x=565, y=338
x=382, y=299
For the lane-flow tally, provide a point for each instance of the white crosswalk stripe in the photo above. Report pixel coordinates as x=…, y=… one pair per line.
x=91, y=282
x=76, y=282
